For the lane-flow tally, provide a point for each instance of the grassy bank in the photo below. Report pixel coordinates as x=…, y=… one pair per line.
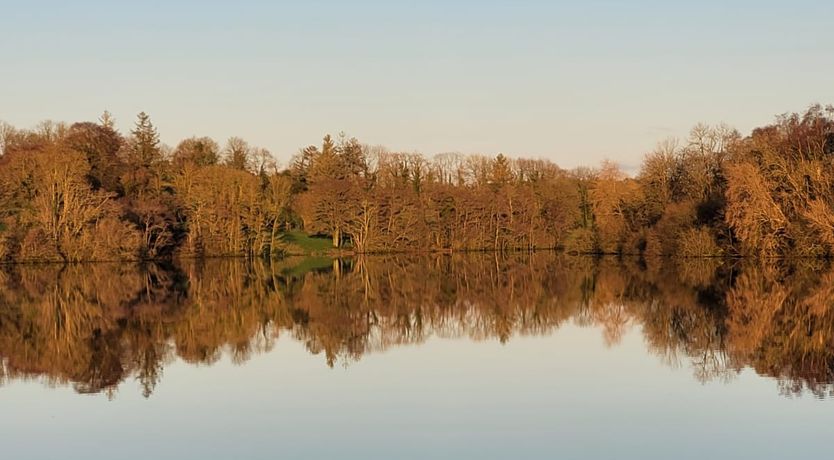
x=300, y=243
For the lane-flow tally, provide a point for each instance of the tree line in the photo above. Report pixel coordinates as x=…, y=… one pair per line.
x=86, y=192
x=97, y=326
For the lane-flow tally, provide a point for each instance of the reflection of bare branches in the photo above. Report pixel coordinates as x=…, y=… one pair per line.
x=95, y=326
x=711, y=364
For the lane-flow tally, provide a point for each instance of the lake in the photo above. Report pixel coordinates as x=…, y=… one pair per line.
x=434, y=356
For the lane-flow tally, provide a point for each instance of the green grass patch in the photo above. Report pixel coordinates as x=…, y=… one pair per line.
x=308, y=264
x=307, y=244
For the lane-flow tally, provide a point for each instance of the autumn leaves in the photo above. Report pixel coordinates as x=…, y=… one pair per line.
x=85, y=192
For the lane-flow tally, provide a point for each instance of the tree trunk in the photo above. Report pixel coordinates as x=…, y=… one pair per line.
x=337, y=237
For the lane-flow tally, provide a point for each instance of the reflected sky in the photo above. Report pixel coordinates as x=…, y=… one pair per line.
x=567, y=391
x=530, y=398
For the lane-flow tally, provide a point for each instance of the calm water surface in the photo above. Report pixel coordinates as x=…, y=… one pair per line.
x=478, y=356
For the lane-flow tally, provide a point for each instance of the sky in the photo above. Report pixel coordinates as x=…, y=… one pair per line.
x=573, y=82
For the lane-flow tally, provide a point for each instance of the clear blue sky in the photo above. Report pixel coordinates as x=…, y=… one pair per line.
x=574, y=82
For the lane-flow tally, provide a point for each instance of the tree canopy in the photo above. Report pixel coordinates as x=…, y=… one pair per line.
x=716, y=193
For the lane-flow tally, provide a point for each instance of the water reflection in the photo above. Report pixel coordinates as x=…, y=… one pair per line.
x=96, y=326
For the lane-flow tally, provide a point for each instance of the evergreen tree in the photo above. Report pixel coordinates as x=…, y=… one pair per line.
x=328, y=147
x=352, y=156
x=145, y=141
x=501, y=173
x=327, y=164
x=106, y=120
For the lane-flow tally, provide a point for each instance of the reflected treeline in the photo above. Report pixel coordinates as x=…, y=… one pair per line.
x=96, y=326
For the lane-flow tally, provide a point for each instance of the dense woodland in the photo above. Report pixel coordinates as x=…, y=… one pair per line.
x=85, y=191
x=96, y=326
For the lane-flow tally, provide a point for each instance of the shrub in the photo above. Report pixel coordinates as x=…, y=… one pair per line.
x=664, y=237
x=698, y=242
x=581, y=241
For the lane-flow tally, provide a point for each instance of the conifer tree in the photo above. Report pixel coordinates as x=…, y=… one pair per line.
x=146, y=141
x=501, y=173
x=106, y=120
x=352, y=156
x=328, y=147
x=327, y=163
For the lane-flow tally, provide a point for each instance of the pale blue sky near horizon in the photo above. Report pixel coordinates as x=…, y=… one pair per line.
x=574, y=82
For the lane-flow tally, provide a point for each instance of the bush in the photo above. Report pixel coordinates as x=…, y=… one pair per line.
x=664, y=237
x=581, y=241
x=112, y=239
x=698, y=242
x=635, y=242
x=38, y=246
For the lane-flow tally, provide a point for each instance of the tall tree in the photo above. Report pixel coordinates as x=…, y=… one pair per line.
x=100, y=144
x=7, y=131
x=238, y=154
x=106, y=119
x=199, y=151
x=353, y=156
x=146, y=149
x=501, y=173
x=301, y=166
